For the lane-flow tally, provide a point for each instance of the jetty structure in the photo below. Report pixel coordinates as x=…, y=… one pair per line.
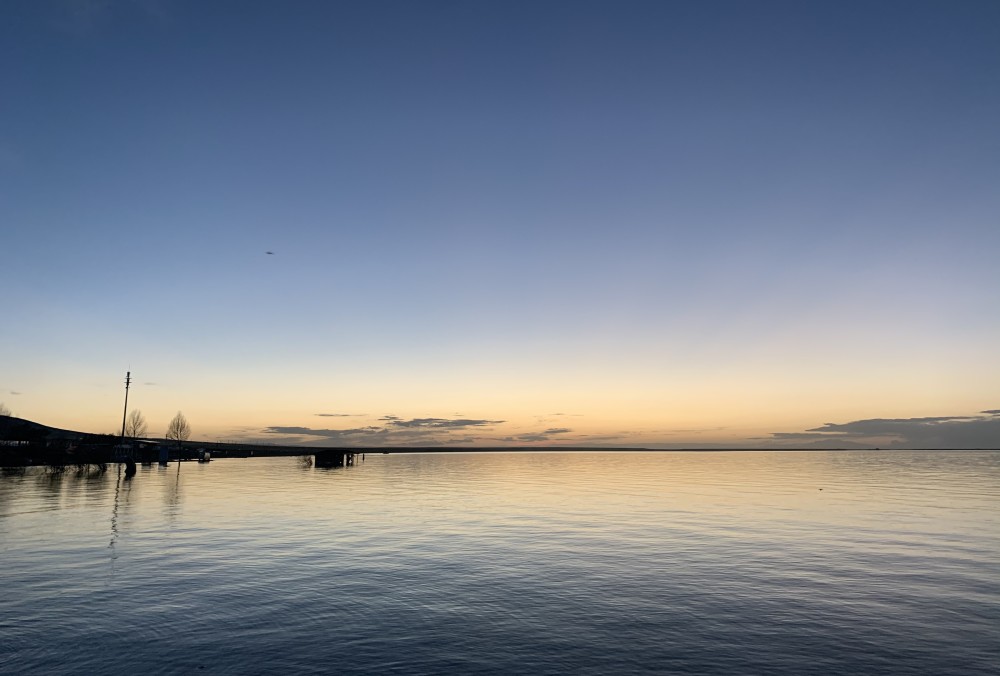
x=23, y=443
x=26, y=443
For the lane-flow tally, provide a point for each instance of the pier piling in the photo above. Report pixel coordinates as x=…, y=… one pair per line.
x=334, y=458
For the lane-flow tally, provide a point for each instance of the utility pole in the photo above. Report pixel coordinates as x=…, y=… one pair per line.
x=127, y=456
x=128, y=379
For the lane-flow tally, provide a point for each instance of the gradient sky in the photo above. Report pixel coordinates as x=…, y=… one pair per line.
x=642, y=223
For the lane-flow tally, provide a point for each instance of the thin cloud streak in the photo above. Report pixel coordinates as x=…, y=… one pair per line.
x=395, y=432
x=533, y=437
x=443, y=423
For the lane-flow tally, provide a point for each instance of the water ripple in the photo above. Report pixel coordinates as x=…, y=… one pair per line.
x=547, y=563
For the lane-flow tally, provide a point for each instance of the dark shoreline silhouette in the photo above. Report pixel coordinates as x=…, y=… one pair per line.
x=27, y=443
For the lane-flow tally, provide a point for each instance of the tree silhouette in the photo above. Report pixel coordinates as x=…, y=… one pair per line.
x=178, y=430
x=135, y=426
x=4, y=410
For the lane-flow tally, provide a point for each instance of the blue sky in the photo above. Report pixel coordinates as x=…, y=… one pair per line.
x=668, y=222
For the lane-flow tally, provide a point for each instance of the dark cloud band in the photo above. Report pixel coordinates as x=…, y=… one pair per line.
x=977, y=431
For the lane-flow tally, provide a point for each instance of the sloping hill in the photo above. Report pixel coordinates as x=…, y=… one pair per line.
x=23, y=442
x=18, y=429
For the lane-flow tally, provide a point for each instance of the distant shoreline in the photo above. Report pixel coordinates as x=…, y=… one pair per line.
x=26, y=443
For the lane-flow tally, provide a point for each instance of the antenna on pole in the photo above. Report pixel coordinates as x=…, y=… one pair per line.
x=128, y=379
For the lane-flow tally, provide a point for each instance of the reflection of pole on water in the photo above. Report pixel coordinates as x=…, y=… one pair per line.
x=120, y=502
x=172, y=494
x=114, y=523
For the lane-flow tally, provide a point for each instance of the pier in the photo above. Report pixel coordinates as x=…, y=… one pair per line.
x=335, y=458
x=24, y=443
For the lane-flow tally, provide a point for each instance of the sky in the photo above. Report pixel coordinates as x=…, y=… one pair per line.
x=658, y=224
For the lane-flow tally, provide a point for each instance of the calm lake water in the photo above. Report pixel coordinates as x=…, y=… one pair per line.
x=540, y=563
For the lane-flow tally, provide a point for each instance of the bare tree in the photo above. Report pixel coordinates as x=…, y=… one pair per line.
x=135, y=426
x=178, y=430
x=4, y=410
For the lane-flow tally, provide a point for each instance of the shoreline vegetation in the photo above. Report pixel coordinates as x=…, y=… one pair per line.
x=27, y=443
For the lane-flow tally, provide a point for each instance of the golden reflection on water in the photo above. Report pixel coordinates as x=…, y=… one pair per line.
x=894, y=500
x=829, y=486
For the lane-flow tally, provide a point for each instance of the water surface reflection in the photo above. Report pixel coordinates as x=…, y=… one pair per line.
x=786, y=563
